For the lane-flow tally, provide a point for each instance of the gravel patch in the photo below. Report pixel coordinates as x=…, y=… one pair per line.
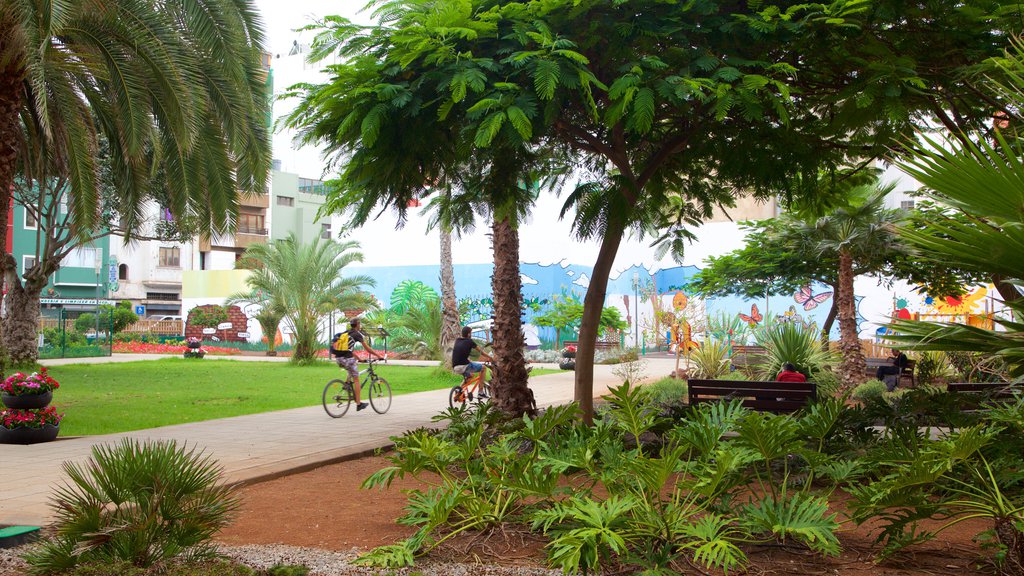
x=320, y=563
x=328, y=563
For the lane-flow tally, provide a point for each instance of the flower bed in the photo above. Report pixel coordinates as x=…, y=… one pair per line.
x=150, y=348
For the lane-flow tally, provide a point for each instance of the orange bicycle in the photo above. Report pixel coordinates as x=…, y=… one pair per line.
x=473, y=387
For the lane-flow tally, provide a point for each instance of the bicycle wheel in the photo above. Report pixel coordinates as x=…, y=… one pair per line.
x=380, y=395
x=337, y=398
x=456, y=396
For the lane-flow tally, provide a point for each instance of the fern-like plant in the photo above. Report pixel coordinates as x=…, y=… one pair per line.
x=138, y=502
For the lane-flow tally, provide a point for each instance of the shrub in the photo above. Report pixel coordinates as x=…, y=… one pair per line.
x=827, y=381
x=666, y=390
x=791, y=342
x=931, y=367
x=711, y=359
x=868, y=390
x=136, y=502
x=208, y=316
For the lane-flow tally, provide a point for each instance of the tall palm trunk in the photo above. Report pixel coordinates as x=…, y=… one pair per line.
x=449, y=308
x=511, y=394
x=851, y=370
x=22, y=322
x=11, y=76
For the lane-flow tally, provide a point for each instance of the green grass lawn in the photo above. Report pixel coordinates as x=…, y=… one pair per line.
x=117, y=397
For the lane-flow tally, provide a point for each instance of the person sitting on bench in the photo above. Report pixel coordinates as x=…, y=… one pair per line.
x=789, y=374
x=899, y=362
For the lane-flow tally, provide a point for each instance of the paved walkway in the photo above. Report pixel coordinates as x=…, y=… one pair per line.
x=258, y=446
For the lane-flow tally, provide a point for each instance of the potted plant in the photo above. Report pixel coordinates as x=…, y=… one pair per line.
x=29, y=426
x=568, y=361
x=29, y=392
x=194, y=348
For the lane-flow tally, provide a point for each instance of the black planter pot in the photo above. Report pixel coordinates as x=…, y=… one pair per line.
x=568, y=354
x=567, y=364
x=23, y=435
x=27, y=401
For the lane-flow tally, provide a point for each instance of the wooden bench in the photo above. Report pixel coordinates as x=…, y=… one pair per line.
x=776, y=397
x=744, y=356
x=599, y=345
x=997, y=390
x=873, y=364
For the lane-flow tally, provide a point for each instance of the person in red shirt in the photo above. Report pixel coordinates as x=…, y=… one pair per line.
x=789, y=374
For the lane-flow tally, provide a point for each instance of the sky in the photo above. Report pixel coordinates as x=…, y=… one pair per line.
x=282, y=17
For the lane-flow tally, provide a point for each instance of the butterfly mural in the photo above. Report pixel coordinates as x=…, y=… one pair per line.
x=791, y=316
x=754, y=318
x=809, y=299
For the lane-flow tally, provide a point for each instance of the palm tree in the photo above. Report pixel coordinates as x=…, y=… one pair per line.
x=854, y=235
x=176, y=88
x=306, y=279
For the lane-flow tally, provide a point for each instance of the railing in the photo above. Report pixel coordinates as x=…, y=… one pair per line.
x=143, y=326
x=252, y=230
x=168, y=327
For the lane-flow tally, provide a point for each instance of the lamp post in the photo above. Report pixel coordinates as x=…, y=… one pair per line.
x=636, y=309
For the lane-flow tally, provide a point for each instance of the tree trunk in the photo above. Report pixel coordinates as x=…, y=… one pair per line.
x=21, y=327
x=511, y=394
x=449, y=307
x=852, y=367
x=1008, y=292
x=830, y=319
x=590, y=325
x=11, y=77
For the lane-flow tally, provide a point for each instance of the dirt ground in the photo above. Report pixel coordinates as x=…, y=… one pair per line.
x=325, y=508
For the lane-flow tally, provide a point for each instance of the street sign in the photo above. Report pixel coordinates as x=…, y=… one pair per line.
x=140, y=310
x=78, y=301
x=224, y=326
x=243, y=335
x=209, y=331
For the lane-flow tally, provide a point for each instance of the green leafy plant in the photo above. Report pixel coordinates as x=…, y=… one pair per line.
x=711, y=359
x=931, y=368
x=137, y=502
x=789, y=342
x=869, y=390
x=208, y=316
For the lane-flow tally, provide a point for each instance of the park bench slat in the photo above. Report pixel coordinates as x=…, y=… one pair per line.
x=756, y=395
x=1005, y=388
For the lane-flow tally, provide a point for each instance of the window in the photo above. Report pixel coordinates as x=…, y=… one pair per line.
x=202, y=260
x=907, y=204
x=311, y=186
x=165, y=214
x=122, y=272
x=285, y=201
x=81, y=258
x=165, y=296
x=252, y=224
x=325, y=231
x=30, y=221
x=170, y=257
x=27, y=262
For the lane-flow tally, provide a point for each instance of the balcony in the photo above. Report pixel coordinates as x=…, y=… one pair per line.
x=256, y=201
x=246, y=236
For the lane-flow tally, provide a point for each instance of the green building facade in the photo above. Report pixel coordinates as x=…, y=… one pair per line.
x=294, y=205
x=77, y=276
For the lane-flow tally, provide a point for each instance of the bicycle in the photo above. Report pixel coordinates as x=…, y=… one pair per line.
x=339, y=394
x=471, y=383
